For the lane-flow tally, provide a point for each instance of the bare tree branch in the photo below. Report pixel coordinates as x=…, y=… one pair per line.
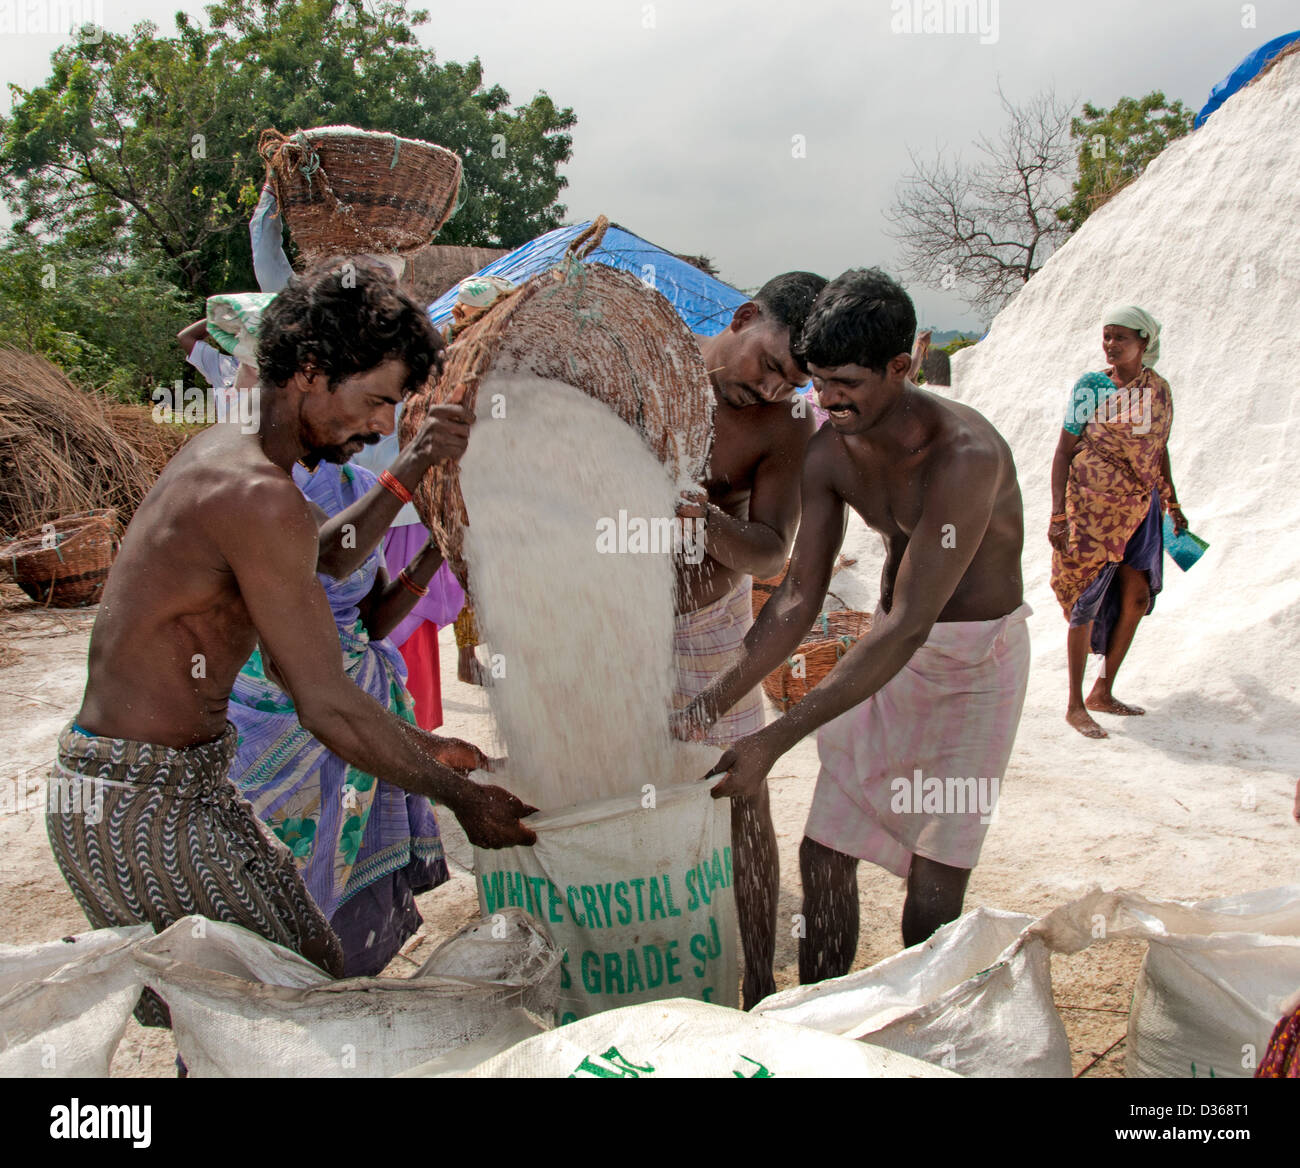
x=984, y=228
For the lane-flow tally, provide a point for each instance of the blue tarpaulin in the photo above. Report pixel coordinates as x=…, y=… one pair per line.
x=1243, y=74
x=703, y=302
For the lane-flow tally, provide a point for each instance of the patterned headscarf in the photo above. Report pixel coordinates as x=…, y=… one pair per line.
x=1146, y=325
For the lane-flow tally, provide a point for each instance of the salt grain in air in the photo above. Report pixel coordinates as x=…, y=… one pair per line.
x=582, y=637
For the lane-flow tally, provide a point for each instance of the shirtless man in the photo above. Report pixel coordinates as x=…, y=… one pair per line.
x=760, y=429
x=223, y=554
x=936, y=687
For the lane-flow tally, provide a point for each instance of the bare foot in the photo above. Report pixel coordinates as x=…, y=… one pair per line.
x=468, y=668
x=1084, y=723
x=1107, y=704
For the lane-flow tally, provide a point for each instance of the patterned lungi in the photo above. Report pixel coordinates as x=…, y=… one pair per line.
x=158, y=833
x=916, y=769
x=706, y=643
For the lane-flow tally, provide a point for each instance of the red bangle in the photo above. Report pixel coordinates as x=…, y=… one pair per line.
x=410, y=585
x=390, y=484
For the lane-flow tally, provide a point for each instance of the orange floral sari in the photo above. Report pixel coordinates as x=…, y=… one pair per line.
x=1115, y=468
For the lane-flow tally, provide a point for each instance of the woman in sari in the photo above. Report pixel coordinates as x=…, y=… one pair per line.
x=1111, y=482
x=365, y=849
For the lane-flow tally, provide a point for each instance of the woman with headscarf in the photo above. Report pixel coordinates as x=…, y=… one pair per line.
x=1111, y=482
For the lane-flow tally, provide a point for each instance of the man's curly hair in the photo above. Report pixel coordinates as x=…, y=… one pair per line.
x=342, y=317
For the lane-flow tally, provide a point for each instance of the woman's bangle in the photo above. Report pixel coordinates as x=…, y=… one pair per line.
x=389, y=482
x=1061, y=517
x=410, y=585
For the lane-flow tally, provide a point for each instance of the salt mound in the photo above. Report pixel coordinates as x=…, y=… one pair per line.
x=1207, y=241
x=584, y=681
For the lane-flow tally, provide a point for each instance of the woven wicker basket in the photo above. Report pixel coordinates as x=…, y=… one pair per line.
x=65, y=564
x=344, y=190
x=598, y=329
x=761, y=591
x=833, y=634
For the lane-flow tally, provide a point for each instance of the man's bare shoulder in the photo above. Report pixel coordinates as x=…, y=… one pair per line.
x=825, y=451
x=238, y=491
x=786, y=427
x=968, y=439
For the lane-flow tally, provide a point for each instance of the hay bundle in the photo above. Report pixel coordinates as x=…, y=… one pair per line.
x=61, y=451
x=598, y=329
x=154, y=442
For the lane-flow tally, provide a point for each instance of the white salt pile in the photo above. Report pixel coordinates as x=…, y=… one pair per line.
x=578, y=627
x=1207, y=242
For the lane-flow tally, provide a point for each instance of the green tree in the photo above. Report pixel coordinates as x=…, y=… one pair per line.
x=1115, y=146
x=148, y=144
x=108, y=324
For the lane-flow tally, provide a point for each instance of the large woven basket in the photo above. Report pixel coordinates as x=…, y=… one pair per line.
x=833, y=634
x=598, y=329
x=65, y=564
x=761, y=590
x=343, y=190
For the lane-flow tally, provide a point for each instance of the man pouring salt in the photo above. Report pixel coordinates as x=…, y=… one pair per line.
x=751, y=510
x=936, y=687
x=221, y=557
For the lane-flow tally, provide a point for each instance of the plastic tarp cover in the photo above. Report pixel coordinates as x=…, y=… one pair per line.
x=1243, y=74
x=702, y=301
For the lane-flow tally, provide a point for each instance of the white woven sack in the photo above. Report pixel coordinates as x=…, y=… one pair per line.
x=64, y=1004
x=242, y=1006
x=641, y=900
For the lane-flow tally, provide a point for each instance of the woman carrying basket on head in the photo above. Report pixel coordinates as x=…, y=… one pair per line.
x=1111, y=481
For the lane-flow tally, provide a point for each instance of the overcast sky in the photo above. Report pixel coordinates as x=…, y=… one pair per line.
x=687, y=109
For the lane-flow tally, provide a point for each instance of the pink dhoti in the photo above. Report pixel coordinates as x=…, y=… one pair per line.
x=916, y=769
x=706, y=643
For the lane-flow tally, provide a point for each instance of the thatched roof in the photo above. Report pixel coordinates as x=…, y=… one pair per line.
x=439, y=267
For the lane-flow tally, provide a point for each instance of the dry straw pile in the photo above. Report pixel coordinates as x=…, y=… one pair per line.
x=64, y=451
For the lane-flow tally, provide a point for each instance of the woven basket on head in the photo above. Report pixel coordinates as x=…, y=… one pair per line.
x=65, y=563
x=598, y=329
x=344, y=190
x=833, y=634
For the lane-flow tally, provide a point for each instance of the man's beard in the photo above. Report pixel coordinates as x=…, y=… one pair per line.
x=338, y=454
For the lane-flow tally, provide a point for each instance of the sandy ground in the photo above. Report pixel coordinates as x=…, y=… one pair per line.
x=1185, y=802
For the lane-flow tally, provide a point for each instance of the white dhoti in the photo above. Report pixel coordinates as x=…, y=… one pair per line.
x=916, y=769
x=706, y=643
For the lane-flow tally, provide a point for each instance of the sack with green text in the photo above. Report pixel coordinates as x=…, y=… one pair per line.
x=639, y=898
